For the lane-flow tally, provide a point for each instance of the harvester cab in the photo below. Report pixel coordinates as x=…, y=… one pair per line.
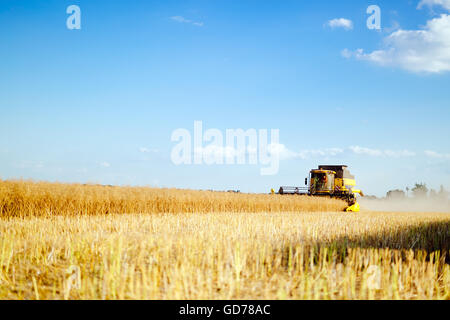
x=322, y=182
x=333, y=181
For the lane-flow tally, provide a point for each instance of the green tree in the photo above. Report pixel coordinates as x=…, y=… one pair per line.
x=443, y=194
x=433, y=194
x=395, y=194
x=420, y=190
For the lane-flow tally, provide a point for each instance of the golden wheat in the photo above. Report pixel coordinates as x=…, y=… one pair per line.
x=226, y=256
x=77, y=254
x=27, y=198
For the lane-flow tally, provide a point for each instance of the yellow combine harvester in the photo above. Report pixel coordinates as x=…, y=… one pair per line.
x=331, y=181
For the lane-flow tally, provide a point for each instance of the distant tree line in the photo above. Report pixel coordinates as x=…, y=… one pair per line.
x=419, y=191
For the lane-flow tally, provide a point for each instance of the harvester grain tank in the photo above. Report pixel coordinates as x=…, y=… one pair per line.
x=331, y=181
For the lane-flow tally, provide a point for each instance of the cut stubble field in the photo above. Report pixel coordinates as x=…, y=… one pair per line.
x=212, y=254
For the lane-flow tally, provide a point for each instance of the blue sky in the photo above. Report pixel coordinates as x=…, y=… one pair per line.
x=99, y=104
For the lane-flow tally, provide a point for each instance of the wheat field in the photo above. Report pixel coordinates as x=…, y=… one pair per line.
x=82, y=253
x=32, y=199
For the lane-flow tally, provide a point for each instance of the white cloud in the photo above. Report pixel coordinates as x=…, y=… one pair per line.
x=423, y=50
x=340, y=23
x=394, y=27
x=280, y=150
x=347, y=53
x=214, y=152
x=181, y=19
x=39, y=165
x=105, y=164
x=436, y=155
x=400, y=153
x=284, y=153
x=287, y=154
x=147, y=150
x=366, y=151
x=329, y=152
x=381, y=153
x=430, y=3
